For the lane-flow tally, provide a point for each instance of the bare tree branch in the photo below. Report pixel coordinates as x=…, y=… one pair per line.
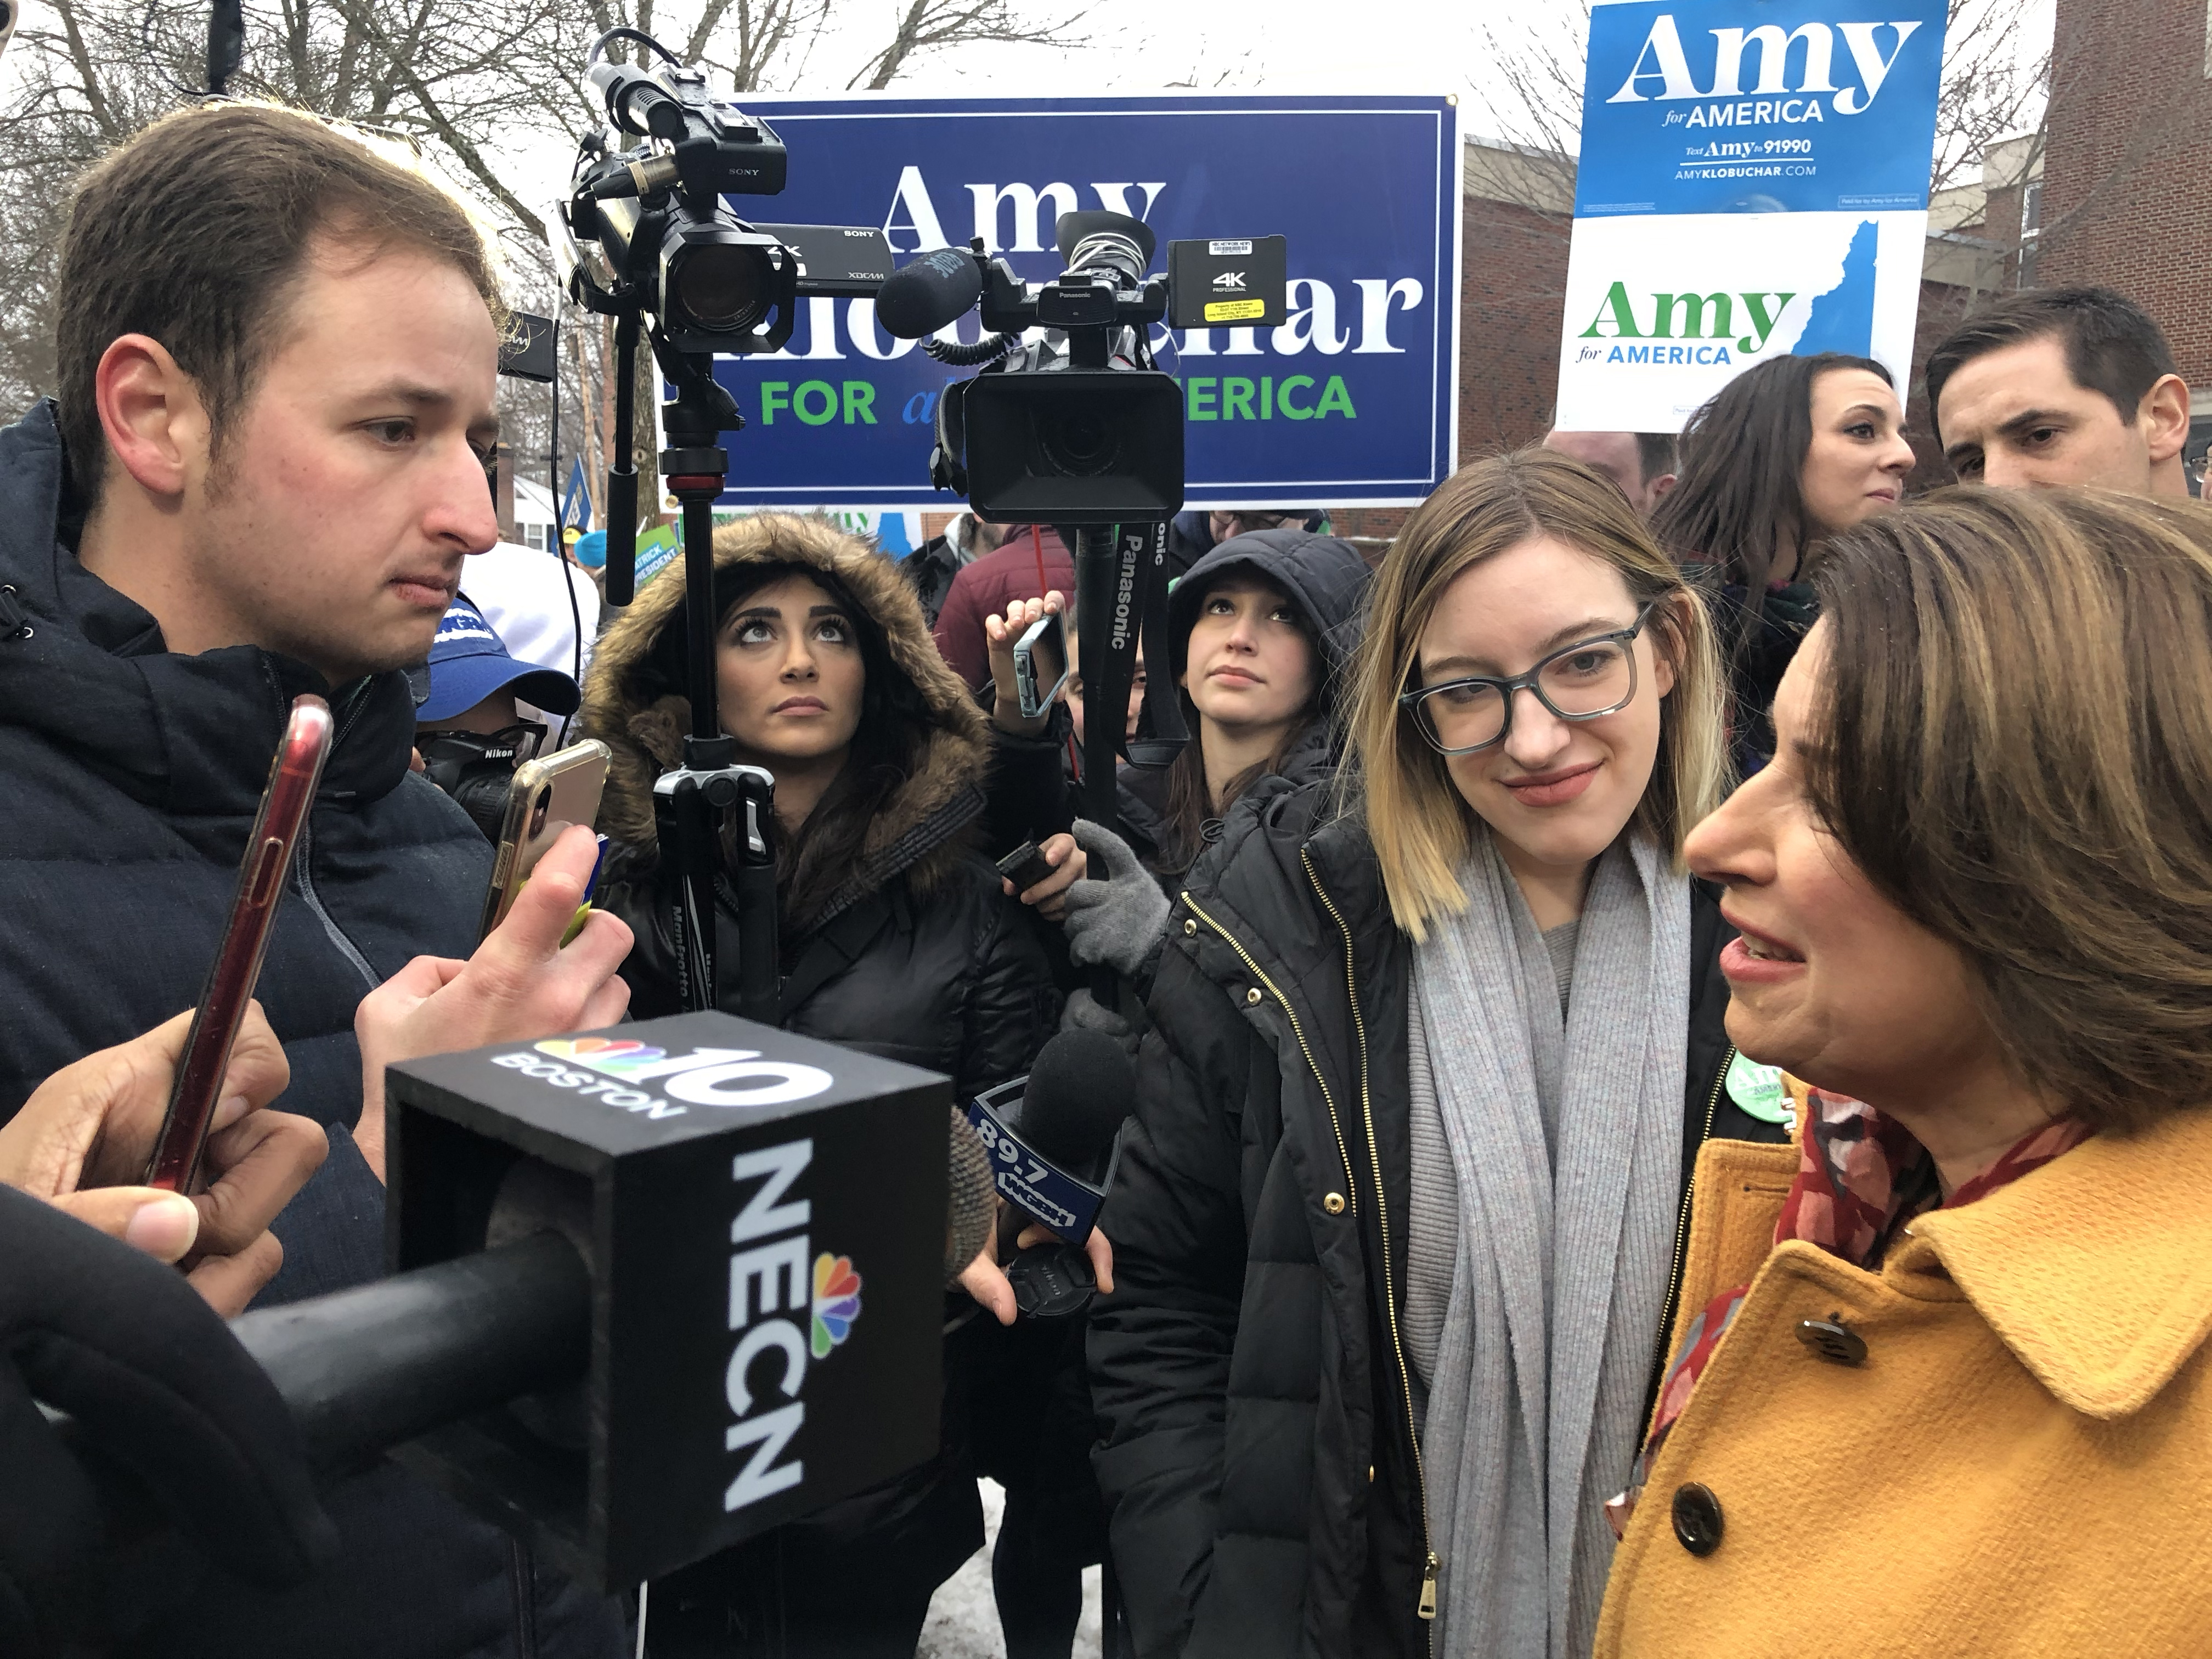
x=932, y=25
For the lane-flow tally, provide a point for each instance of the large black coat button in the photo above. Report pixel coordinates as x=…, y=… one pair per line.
x=1698, y=1522
x=1831, y=1338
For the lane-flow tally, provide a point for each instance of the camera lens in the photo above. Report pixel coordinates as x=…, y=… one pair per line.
x=1079, y=444
x=722, y=288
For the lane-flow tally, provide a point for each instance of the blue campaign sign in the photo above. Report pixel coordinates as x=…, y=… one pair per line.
x=1354, y=400
x=576, y=500
x=1749, y=105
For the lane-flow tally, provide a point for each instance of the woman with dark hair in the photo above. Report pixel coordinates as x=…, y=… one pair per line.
x=1258, y=632
x=895, y=940
x=1792, y=451
x=1943, y=1369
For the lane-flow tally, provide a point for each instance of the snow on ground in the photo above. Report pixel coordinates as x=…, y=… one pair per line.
x=964, y=1624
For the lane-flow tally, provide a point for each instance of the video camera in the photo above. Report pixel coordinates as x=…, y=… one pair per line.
x=1081, y=427
x=644, y=238
x=644, y=227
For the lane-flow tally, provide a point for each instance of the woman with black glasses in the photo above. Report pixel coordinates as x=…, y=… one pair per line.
x=1398, y=1223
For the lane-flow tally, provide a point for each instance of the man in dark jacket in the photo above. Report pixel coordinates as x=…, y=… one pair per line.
x=278, y=355
x=1194, y=534
x=930, y=569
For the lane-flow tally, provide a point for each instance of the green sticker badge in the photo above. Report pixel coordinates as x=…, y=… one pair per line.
x=1758, y=1089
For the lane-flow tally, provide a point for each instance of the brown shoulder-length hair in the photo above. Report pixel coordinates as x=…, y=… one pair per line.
x=1421, y=826
x=195, y=230
x=2013, y=739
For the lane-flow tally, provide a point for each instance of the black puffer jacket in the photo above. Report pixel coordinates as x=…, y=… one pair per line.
x=949, y=974
x=1760, y=651
x=1259, y=1458
x=128, y=781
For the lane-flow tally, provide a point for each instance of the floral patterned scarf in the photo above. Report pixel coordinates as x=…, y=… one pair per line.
x=1861, y=1179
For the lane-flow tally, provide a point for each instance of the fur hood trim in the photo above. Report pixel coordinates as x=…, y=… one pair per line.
x=645, y=726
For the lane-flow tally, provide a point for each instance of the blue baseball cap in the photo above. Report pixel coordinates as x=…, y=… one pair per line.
x=469, y=662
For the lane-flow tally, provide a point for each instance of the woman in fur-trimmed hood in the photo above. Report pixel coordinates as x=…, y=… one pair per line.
x=894, y=935
x=917, y=752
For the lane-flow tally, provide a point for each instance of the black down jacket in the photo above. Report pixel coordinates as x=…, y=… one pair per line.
x=949, y=974
x=128, y=781
x=1259, y=1461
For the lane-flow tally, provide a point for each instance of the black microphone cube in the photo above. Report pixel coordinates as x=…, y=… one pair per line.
x=763, y=1218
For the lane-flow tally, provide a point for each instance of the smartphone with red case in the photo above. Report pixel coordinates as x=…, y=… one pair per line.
x=175, y=1165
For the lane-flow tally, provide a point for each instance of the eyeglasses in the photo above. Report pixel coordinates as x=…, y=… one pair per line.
x=1581, y=682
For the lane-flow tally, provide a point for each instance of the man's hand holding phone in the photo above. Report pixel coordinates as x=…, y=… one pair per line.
x=81, y=1142
x=521, y=983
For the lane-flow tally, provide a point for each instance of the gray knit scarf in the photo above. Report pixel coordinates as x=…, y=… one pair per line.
x=1553, y=1196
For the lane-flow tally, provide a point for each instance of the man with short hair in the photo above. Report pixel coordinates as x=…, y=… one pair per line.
x=1196, y=532
x=931, y=568
x=277, y=354
x=2063, y=386
x=1641, y=463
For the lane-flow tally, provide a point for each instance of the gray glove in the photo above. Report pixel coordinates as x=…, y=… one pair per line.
x=1084, y=1012
x=1115, y=922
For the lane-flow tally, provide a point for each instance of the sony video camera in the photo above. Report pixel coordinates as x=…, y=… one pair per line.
x=644, y=227
x=1080, y=426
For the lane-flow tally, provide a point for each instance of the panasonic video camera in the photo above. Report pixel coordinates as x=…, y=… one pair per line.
x=1081, y=426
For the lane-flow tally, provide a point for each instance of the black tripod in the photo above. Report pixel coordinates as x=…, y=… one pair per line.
x=710, y=801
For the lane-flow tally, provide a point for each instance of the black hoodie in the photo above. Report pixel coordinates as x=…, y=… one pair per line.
x=130, y=776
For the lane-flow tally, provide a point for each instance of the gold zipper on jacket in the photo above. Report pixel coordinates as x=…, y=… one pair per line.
x=1298, y=1031
x=1682, y=1222
x=1428, y=1603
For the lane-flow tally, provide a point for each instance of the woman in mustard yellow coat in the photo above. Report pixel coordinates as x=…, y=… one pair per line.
x=1940, y=1383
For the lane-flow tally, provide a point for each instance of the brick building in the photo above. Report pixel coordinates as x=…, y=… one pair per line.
x=2127, y=179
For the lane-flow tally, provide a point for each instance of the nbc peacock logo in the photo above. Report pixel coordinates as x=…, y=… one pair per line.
x=836, y=1302
x=614, y=1056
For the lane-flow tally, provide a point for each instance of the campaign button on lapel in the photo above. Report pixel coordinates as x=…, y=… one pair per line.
x=1758, y=1089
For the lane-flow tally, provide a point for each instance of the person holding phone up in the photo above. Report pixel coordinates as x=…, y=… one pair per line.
x=261, y=479
x=1258, y=633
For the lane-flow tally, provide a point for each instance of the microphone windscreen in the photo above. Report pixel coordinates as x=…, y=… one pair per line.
x=971, y=1200
x=922, y=296
x=1081, y=1088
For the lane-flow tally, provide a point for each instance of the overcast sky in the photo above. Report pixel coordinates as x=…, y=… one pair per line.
x=1430, y=47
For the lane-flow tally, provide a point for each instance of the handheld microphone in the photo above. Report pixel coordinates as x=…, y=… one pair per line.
x=1053, y=1138
x=661, y=1287
x=925, y=293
